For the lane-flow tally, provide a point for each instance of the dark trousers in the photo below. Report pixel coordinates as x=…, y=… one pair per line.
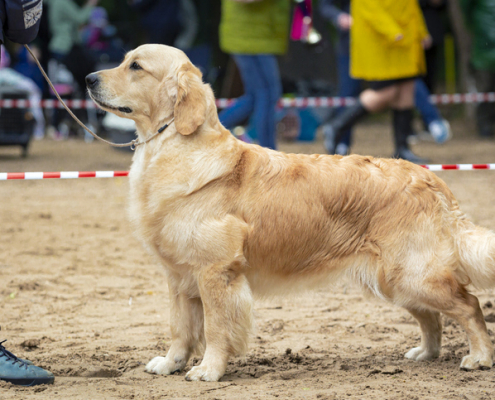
x=348, y=87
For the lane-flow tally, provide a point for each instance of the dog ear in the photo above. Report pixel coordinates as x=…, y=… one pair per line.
x=190, y=107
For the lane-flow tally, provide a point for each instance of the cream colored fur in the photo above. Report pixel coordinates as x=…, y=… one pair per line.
x=230, y=220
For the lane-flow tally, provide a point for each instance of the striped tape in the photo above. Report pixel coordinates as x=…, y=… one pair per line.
x=60, y=175
x=297, y=102
x=460, y=167
x=113, y=174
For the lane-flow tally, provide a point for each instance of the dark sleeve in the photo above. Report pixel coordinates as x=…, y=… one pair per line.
x=22, y=19
x=330, y=12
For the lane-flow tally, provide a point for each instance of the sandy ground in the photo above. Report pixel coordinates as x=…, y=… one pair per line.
x=79, y=296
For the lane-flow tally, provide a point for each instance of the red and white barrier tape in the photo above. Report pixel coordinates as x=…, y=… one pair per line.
x=460, y=167
x=4, y=176
x=113, y=174
x=298, y=102
x=309, y=102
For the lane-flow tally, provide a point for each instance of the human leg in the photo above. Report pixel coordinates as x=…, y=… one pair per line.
x=369, y=101
x=433, y=121
x=428, y=111
x=267, y=92
x=348, y=87
x=379, y=100
x=402, y=109
x=244, y=105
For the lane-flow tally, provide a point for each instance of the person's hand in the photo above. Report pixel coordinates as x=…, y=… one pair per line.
x=92, y=3
x=427, y=42
x=344, y=21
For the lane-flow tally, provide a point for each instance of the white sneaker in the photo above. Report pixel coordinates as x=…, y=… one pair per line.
x=440, y=130
x=342, y=149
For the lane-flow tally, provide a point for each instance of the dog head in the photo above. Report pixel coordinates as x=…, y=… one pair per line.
x=153, y=84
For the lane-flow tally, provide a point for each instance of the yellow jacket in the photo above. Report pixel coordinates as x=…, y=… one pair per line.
x=376, y=54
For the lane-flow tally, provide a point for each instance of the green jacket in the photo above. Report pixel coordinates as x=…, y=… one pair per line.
x=480, y=20
x=65, y=18
x=259, y=27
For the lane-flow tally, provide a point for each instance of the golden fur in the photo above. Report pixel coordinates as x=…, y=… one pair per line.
x=229, y=220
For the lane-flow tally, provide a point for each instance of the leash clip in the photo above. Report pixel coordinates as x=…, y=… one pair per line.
x=133, y=144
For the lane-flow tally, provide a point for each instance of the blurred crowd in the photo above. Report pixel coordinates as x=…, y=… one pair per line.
x=387, y=54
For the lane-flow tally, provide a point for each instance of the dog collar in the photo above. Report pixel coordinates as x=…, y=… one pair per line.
x=135, y=143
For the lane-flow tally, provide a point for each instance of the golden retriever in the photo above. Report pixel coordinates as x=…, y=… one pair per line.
x=230, y=220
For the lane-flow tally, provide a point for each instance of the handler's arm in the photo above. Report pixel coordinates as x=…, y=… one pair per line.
x=330, y=12
x=21, y=19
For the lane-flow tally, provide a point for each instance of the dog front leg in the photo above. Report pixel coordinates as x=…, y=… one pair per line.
x=186, y=321
x=228, y=306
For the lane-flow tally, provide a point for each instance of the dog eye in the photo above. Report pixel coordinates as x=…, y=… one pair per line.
x=135, y=66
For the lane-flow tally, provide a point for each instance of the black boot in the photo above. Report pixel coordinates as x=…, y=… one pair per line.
x=334, y=130
x=402, y=123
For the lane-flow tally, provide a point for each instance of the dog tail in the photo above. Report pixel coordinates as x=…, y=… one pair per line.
x=476, y=247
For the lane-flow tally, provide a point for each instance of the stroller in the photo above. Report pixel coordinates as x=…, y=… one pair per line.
x=16, y=124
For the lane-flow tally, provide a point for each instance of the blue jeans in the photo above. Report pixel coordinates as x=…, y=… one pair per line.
x=428, y=111
x=262, y=90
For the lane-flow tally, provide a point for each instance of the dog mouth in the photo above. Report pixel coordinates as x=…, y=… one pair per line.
x=102, y=104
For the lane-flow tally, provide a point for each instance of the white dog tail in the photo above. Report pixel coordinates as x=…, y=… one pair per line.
x=476, y=247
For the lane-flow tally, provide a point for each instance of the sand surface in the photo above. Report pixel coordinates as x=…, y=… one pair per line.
x=80, y=297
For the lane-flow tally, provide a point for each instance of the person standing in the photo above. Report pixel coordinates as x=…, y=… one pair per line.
x=19, y=22
x=65, y=19
x=435, y=125
x=387, y=50
x=254, y=33
x=160, y=20
x=338, y=13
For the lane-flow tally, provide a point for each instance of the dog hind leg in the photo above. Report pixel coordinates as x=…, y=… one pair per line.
x=467, y=312
x=186, y=321
x=431, y=335
x=228, y=303
x=445, y=294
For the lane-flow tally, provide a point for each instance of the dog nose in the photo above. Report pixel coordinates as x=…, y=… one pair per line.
x=92, y=80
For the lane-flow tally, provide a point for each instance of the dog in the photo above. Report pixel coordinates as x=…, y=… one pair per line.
x=230, y=220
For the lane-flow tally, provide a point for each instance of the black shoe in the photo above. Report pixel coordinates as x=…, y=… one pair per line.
x=18, y=372
x=408, y=155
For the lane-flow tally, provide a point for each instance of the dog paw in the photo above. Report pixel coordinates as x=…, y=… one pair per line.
x=164, y=366
x=203, y=373
x=421, y=354
x=472, y=362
